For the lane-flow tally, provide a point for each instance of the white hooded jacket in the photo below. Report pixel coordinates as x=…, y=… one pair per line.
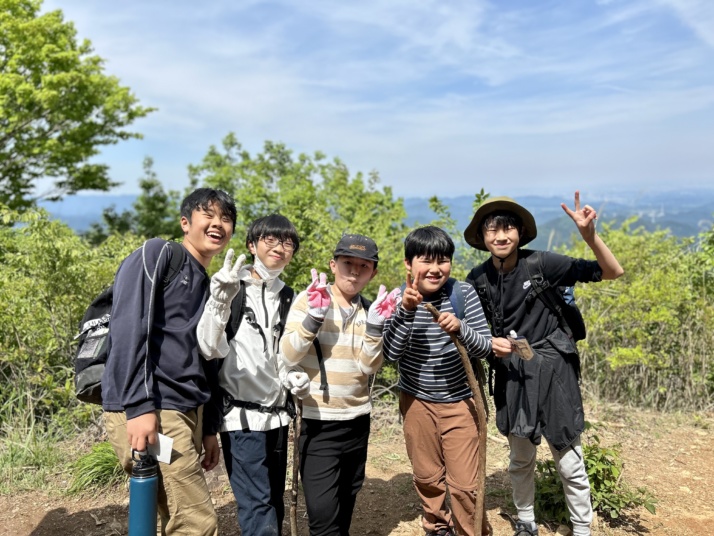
x=251, y=370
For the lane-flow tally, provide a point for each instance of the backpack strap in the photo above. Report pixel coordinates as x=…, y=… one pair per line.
x=318, y=349
x=480, y=283
x=321, y=364
x=237, y=308
x=366, y=304
x=178, y=256
x=548, y=294
x=479, y=280
x=285, y=296
x=456, y=297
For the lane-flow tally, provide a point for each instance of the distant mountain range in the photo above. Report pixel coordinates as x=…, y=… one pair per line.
x=684, y=213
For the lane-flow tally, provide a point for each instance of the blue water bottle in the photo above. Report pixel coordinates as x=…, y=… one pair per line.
x=143, y=487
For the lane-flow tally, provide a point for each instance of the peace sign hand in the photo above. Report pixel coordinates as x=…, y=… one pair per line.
x=318, y=297
x=584, y=217
x=226, y=282
x=412, y=297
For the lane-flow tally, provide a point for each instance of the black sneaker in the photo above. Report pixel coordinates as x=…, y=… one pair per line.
x=526, y=528
x=440, y=532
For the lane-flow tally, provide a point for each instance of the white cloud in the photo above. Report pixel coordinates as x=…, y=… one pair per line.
x=415, y=89
x=696, y=14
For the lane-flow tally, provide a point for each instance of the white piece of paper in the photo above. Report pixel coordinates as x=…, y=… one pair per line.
x=162, y=450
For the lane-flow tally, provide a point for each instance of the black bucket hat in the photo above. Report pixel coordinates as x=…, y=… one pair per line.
x=496, y=204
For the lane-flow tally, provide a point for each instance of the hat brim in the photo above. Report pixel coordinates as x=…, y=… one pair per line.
x=474, y=238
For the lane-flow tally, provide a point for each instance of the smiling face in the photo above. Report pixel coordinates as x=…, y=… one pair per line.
x=351, y=276
x=207, y=233
x=500, y=240
x=275, y=254
x=430, y=273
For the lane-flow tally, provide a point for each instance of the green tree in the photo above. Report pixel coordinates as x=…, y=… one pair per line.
x=320, y=197
x=156, y=212
x=57, y=107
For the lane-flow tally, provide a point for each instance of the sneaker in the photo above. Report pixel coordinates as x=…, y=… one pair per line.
x=440, y=532
x=526, y=528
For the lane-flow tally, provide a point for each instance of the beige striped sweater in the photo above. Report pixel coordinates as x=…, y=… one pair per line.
x=351, y=351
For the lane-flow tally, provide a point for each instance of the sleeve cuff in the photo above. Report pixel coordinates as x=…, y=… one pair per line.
x=406, y=315
x=374, y=330
x=141, y=409
x=218, y=307
x=312, y=324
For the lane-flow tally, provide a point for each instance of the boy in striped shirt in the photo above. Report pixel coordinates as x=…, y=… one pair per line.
x=440, y=424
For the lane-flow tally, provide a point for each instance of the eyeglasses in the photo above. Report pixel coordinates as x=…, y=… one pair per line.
x=490, y=231
x=271, y=242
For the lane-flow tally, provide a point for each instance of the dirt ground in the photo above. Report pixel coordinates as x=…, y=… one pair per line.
x=672, y=455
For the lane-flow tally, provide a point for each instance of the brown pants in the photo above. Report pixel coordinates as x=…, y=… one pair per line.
x=442, y=443
x=184, y=502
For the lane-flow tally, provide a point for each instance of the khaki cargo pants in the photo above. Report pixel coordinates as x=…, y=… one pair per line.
x=184, y=502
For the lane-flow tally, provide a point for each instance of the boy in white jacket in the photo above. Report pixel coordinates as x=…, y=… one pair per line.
x=253, y=384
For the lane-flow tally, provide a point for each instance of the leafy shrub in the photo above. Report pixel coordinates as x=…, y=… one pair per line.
x=49, y=277
x=649, y=341
x=611, y=497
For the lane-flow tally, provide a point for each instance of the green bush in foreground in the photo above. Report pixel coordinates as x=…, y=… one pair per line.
x=610, y=495
x=97, y=469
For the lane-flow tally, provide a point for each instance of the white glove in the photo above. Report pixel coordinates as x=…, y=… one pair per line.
x=384, y=306
x=225, y=283
x=298, y=383
x=318, y=298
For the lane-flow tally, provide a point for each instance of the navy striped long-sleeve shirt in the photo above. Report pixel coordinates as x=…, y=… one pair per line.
x=429, y=364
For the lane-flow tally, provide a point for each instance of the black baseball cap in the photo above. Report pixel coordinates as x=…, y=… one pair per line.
x=356, y=245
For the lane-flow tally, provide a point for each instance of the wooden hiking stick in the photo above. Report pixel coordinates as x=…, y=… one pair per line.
x=481, y=403
x=297, y=424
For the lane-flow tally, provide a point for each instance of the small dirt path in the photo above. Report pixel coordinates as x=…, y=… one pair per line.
x=672, y=455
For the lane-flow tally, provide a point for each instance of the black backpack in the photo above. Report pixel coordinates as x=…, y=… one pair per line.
x=285, y=296
x=568, y=314
x=92, y=348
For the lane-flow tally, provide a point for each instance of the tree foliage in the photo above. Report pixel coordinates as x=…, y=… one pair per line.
x=57, y=107
x=49, y=277
x=156, y=212
x=649, y=339
x=320, y=197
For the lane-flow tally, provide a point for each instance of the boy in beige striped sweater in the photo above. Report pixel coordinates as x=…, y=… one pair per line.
x=335, y=335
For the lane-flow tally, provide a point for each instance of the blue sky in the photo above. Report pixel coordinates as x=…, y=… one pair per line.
x=440, y=97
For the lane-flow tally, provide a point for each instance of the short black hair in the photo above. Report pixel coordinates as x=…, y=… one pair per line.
x=203, y=198
x=275, y=225
x=430, y=242
x=502, y=219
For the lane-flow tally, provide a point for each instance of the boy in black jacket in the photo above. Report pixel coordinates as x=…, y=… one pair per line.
x=540, y=396
x=154, y=380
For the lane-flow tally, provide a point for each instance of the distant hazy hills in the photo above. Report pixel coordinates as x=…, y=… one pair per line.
x=685, y=213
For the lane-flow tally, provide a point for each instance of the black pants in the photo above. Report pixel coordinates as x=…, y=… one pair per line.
x=333, y=456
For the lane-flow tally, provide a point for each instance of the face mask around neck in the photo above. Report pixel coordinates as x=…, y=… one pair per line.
x=264, y=272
